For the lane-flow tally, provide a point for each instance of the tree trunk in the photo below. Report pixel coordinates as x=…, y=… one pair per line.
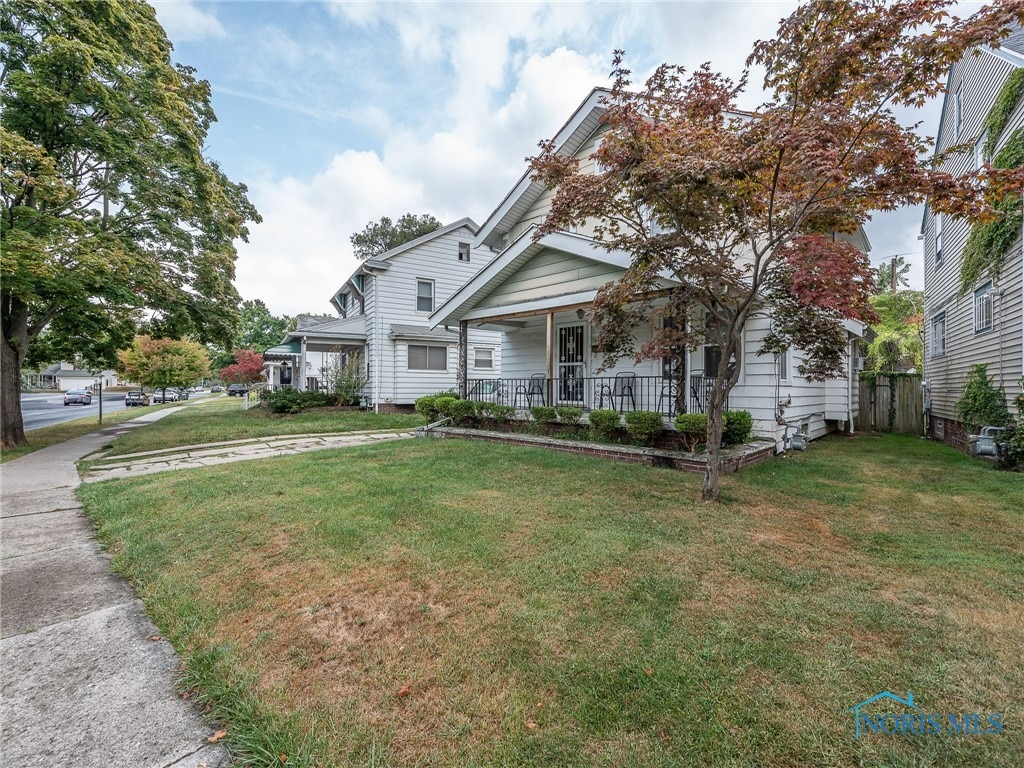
x=713, y=473
x=13, y=346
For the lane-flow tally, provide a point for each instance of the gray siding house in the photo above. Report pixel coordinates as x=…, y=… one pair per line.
x=979, y=322
x=383, y=308
x=538, y=294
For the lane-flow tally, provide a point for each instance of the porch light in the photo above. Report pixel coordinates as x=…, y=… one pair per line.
x=580, y=313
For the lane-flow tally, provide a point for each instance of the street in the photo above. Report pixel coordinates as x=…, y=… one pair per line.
x=46, y=409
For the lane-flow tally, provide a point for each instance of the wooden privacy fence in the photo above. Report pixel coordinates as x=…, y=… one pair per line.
x=890, y=404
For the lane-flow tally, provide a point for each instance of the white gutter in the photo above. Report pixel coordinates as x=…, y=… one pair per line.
x=849, y=386
x=376, y=342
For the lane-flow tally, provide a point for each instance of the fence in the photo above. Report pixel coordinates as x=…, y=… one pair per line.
x=891, y=404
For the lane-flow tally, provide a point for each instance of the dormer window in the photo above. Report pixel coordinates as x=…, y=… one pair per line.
x=343, y=301
x=463, y=251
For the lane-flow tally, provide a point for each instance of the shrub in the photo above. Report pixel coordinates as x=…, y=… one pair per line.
x=348, y=380
x=737, y=427
x=497, y=412
x=604, y=422
x=570, y=415
x=543, y=414
x=293, y=401
x=426, y=406
x=644, y=426
x=462, y=412
x=1011, y=448
x=444, y=405
x=693, y=429
x=982, y=404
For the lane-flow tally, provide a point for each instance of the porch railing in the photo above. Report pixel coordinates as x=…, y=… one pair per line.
x=620, y=393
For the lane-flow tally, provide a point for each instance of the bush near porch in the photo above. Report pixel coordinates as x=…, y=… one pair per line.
x=450, y=603
x=642, y=428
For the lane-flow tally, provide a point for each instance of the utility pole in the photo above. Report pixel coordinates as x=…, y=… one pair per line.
x=892, y=275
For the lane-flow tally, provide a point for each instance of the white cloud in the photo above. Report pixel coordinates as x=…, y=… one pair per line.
x=184, y=22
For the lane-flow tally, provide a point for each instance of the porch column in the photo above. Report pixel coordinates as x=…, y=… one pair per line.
x=463, y=358
x=550, y=358
x=302, y=366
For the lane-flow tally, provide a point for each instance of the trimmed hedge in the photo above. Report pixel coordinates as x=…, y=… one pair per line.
x=604, y=422
x=737, y=428
x=569, y=415
x=693, y=429
x=543, y=414
x=644, y=426
x=293, y=401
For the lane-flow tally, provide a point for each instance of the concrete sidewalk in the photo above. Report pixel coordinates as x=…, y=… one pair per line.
x=81, y=681
x=102, y=467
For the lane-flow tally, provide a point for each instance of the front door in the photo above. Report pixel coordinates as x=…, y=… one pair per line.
x=570, y=371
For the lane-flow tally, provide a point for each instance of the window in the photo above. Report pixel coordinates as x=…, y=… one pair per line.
x=958, y=110
x=937, y=342
x=463, y=251
x=423, y=358
x=598, y=166
x=782, y=362
x=343, y=300
x=424, y=296
x=979, y=150
x=983, y=308
x=938, y=237
x=483, y=358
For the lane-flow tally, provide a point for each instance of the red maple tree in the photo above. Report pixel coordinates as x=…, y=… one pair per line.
x=247, y=368
x=751, y=213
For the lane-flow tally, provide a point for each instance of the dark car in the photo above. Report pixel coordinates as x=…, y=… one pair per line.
x=216, y=388
x=237, y=390
x=79, y=396
x=183, y=393
x=132, y=399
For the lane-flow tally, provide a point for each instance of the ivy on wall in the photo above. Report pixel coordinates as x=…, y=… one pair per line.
x=987, y=243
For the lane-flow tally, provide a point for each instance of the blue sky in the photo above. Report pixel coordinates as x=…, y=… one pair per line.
x=335, y=114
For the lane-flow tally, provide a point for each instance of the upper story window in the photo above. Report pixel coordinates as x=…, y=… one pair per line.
x=598, y=165
x=938, y=237
x=983, y=308
x=958, y=110
x=424, y=295
x=979, y=150
x=463, y=251
x=937, y=340
x=343, y=300
x=358, y=280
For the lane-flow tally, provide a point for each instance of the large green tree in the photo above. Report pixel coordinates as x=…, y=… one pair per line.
x=109, y=205
x=378, y=237
x=163, y=363
x=747, y=211
x=257, y=330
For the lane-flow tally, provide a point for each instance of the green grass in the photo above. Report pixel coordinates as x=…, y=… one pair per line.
x=58, y=433
x=550, y=610
x=223, y=419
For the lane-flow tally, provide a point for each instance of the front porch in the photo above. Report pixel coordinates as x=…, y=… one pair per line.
x=622, y=392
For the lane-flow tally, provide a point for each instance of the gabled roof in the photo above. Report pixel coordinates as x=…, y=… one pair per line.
x=1010, y=49
x=379, y=263
x=584, y=121
x=511, y=259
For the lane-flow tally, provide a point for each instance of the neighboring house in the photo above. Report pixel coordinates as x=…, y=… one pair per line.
x=384, y=306
x=539, y=293
x=980, y=322
x=64, y=376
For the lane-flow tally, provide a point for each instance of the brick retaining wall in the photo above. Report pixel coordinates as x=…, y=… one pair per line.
x=733, y=459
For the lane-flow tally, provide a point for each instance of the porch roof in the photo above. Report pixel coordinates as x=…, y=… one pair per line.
x=283, y=350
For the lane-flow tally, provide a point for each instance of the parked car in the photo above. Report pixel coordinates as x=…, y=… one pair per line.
x=132, y=399
x=165, y=396
x=216, y=388
x=237, y=390
x=183, y=393
x=79, y=396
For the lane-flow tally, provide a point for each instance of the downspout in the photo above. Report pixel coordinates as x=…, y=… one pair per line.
x=376, y=342
x=849, y=388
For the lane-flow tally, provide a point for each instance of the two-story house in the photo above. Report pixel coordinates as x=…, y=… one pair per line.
x=384, y=306
x=974, y=316
x=538, y=293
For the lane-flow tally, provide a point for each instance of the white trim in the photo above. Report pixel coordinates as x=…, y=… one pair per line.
x=549, y=302
x=1005, y=54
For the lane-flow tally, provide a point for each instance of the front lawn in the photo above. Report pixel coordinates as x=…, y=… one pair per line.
x=457, y=603
x=223, y=419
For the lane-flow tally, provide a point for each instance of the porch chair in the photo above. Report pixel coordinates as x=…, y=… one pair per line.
x=625, y=386
x=534, y=388
x=669, y=392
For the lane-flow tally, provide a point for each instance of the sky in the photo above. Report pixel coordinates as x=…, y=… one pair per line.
x=336, y=114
